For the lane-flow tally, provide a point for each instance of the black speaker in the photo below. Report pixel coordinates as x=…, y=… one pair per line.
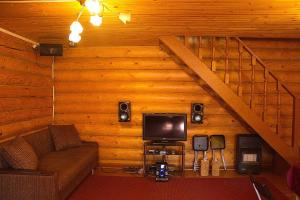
x=197, y=113
x=51, y=49
x=217, y=142
x=248, y=153
x=124, y=111
x=200, y=143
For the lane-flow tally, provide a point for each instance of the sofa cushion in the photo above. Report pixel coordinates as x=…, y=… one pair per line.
x=68, y=163
x=19, y=154
x=3, y=162
x=41, y=142
x=64, y=136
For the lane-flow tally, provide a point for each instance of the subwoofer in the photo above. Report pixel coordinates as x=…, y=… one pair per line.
x=124, y=111
x=197, y=113
x=249, y=153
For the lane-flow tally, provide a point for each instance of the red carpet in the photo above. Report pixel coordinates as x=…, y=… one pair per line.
x=139, y=188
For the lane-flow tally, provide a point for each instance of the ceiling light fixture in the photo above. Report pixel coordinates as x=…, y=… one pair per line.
x=74, y=37
x=125, y=17
x=96, y=20
x=94, y=6
x=76, y=27
x=96, y=9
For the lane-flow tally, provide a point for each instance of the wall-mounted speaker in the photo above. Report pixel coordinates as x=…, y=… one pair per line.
x=197, y=113
x=51, y=49
x=124, y=111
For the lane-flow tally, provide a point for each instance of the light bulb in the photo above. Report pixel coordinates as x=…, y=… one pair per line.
x=94, y=6
x=96, y=20
x=76, y=27
x=74, y=37
x=125, y=17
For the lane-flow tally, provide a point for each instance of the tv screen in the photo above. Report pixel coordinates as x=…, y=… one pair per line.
x=164, y=126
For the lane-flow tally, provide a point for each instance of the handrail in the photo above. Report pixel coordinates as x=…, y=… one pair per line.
x=265, y=66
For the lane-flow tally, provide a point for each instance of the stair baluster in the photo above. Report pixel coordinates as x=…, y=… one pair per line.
x=253, y=63
x=226, y=77
x=240, y=88
x=278, y=107
x=266, y=75
x=213, y=52
x=200, y=47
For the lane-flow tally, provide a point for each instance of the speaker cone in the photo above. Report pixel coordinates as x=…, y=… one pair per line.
x=123, y=107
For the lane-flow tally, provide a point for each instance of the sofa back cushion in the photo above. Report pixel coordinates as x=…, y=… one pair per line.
x=3, y=163
x=64, y=136
x=20, y=154
x=41, y=142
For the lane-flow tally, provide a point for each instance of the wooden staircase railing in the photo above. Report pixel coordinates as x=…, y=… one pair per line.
x=203, y=61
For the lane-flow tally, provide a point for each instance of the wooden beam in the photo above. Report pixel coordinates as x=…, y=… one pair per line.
x=230, y=98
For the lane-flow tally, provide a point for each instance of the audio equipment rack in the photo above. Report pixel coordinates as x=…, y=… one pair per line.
x=161, y=151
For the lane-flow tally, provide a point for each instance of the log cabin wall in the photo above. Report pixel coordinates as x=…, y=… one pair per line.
x=26, y=88
x=89, y=82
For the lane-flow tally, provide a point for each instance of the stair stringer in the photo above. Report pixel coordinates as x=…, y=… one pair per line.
x=230, y=98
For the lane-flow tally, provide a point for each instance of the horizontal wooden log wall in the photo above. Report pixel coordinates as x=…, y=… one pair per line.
x=90, y=81
x=26, y=88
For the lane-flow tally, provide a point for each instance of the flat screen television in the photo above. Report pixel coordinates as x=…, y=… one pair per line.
x=164, y=126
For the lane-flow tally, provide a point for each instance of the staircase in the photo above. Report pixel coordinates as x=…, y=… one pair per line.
x=245, y=84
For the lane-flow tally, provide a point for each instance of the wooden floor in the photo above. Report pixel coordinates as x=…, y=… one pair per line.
x=278, y=180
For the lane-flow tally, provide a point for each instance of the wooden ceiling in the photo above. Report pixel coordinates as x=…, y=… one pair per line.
x=49, y=22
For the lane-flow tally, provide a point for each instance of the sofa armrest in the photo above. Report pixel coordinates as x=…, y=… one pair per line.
x=28, y=184
x=90, y=143
x=27, y=172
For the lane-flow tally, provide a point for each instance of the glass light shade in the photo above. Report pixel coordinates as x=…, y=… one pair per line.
x=94, y=6
x=76, y=27
x=96, y=20
x=125, y=17
x=74, y=37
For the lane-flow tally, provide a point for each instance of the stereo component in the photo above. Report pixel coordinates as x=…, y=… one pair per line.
x=51, y=49
x=124, y=111
x=162, y=171
x=197, y=113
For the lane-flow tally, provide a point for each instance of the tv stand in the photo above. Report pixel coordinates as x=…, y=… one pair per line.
x=161, y=142
x=161, y=152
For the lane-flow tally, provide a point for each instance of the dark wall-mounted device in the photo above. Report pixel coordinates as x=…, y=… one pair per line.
x=197, y=113
x=248, y=153
x=217, y=142
x=51, y=49
x=200, y=142
x=124, y=111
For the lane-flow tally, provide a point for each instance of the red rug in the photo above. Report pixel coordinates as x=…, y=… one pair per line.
x=139, y=188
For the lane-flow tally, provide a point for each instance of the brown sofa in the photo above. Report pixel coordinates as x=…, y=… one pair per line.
x=58, y=173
